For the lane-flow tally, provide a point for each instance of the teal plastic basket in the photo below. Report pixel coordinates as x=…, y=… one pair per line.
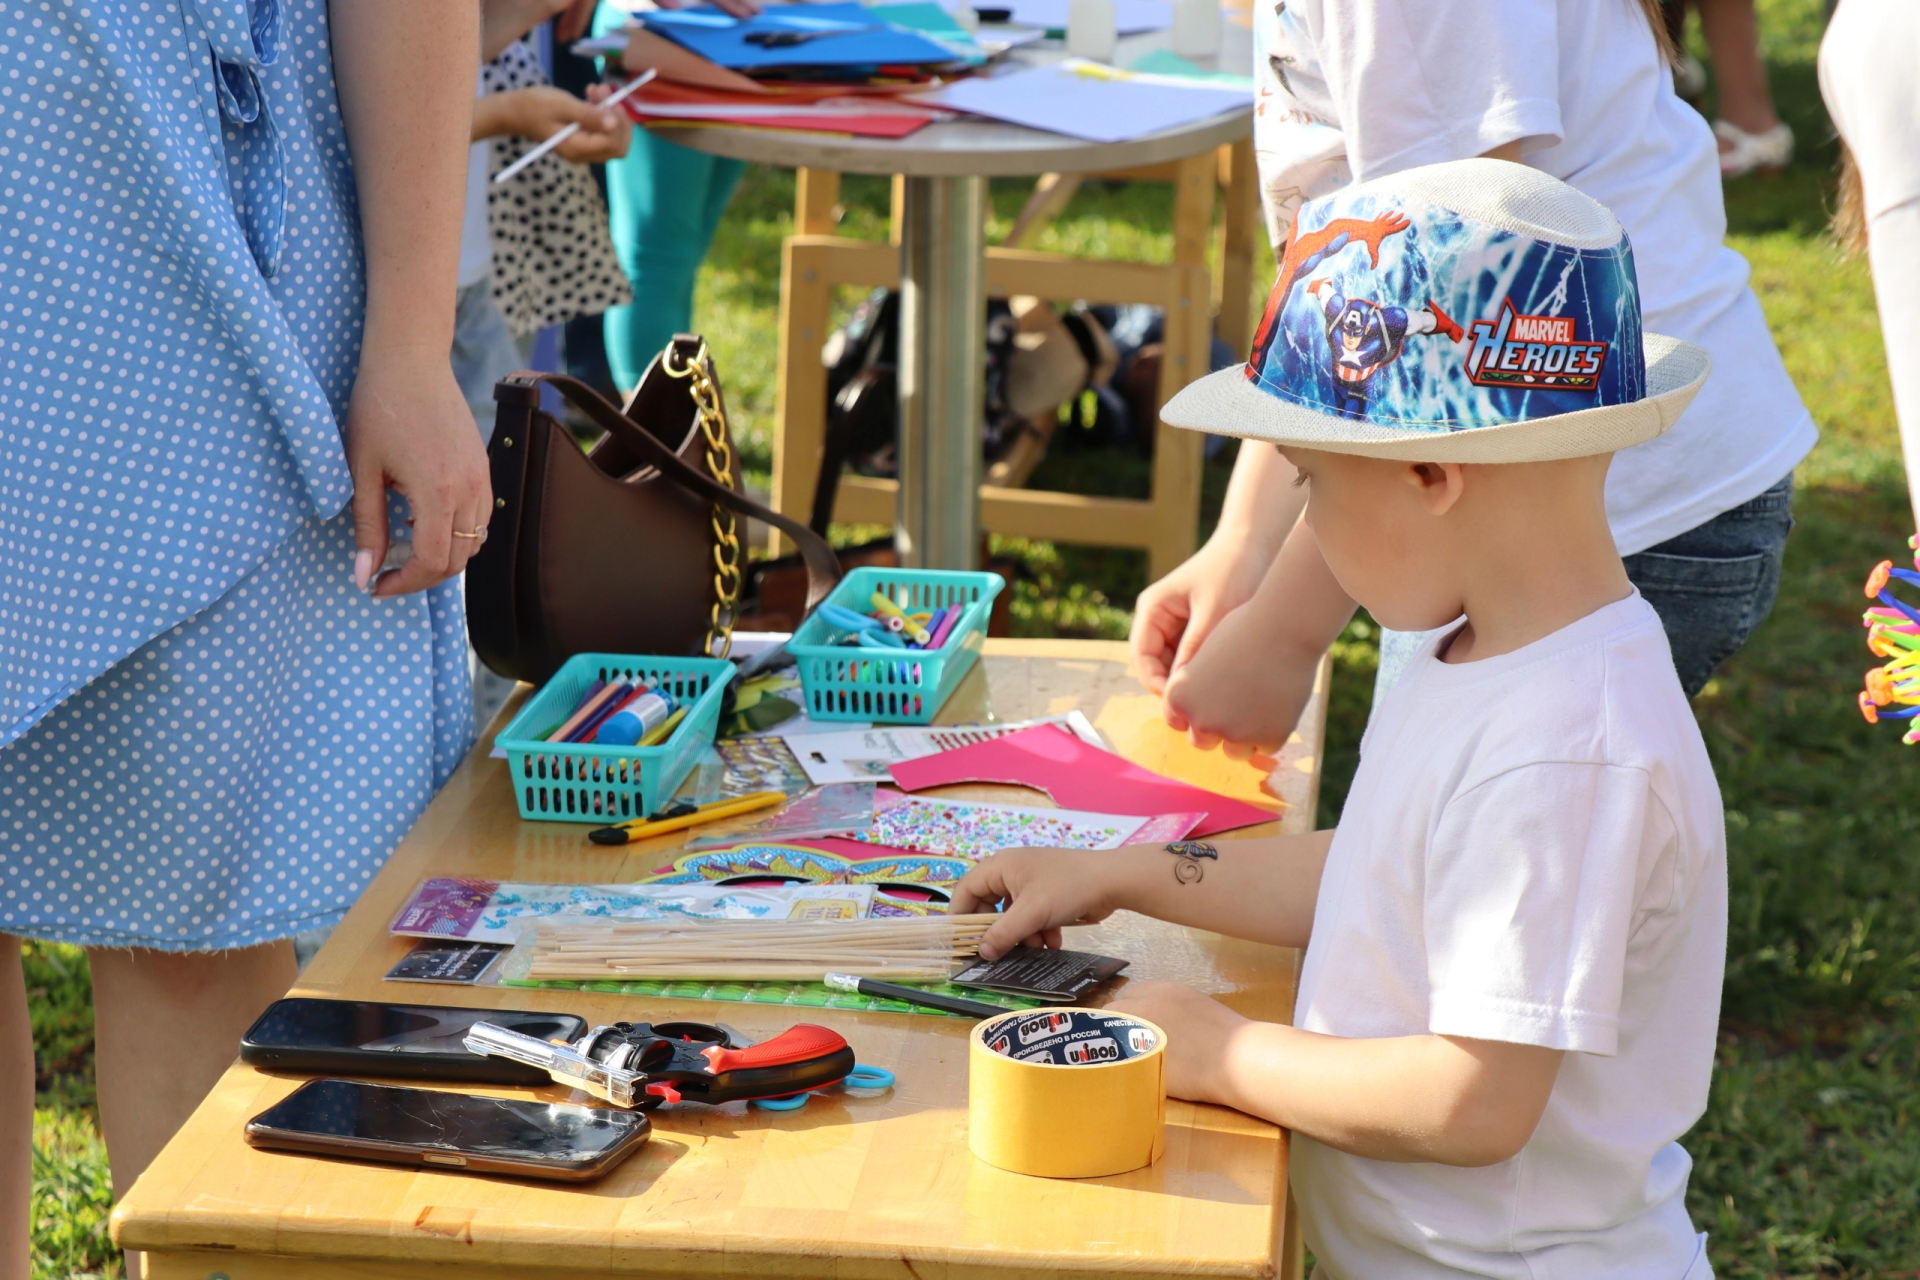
x=876, y=682
x=587, y=782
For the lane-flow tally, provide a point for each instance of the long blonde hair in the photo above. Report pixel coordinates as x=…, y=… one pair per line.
x=1849, y=223
x=1663, y=37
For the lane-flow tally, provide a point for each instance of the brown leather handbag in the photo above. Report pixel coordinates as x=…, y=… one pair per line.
x=632, y=546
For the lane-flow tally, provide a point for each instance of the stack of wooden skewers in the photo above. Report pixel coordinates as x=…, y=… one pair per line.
x=915, y=948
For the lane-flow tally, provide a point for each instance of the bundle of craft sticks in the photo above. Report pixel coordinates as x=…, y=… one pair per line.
x=924, y=948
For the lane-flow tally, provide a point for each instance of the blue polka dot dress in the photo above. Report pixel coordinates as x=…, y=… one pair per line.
x=208, y=738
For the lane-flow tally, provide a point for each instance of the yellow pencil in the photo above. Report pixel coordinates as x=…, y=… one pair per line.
x=642, y=828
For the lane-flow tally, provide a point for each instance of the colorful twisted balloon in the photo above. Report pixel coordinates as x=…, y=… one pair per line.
x=1893, y=633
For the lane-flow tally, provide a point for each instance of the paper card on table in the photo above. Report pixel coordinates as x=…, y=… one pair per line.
x=971, y=829
x=1079, y=775
x=1165, y=62
x=1088, y=100
x=681, y=65
x=447, y=960
x=865, y=755
x=863, y=114
x=495, y=911
x=802, y=119
x=759, y=764
x=827, y=35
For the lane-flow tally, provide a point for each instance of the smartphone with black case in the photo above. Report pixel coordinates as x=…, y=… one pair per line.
x=455, y=1131
x=414, y=1041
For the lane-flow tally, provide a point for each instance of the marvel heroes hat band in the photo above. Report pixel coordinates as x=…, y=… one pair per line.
x=1474, y=311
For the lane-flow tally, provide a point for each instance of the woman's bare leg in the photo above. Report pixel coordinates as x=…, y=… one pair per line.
x=166, y=1024
x=1733, y=38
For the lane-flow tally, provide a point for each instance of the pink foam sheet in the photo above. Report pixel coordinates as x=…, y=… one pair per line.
x=1077, y=775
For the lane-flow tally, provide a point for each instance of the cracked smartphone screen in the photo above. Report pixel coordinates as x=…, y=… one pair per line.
x=508, y=1128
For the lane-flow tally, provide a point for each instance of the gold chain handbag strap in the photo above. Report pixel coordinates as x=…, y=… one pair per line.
x=712, y=416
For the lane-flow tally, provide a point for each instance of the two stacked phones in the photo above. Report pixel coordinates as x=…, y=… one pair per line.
x=424, y=1127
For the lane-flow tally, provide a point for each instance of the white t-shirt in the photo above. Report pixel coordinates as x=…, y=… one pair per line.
x=1356, y=89
x=1532, y=852
x=1866, y=75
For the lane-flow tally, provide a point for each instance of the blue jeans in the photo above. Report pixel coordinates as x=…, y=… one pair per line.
x=483, y=350
x=1711, y=586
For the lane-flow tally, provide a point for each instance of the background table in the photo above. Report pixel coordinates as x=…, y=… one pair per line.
x=944, y=272
x=849, y=1187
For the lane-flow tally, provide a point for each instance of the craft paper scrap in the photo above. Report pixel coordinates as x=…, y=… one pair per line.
x=1077, y=774
x=866, y=755
x=968, y=829
x=494, y=911
x=1089, y=100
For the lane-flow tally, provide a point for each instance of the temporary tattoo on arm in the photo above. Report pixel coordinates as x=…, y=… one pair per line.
x=1188, y=869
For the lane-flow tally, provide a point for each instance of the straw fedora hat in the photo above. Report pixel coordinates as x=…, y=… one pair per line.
x=1475, y=311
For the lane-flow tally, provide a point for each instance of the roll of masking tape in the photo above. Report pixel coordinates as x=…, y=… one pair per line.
x=1067, y=1093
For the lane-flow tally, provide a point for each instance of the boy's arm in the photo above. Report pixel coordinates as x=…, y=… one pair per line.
x=1261, y=890
x=1440, y=1099
x=1248, y=684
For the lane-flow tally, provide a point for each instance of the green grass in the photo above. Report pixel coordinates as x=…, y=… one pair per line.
x=1807, y=1162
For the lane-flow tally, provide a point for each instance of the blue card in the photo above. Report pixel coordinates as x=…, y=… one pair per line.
x=788, y=35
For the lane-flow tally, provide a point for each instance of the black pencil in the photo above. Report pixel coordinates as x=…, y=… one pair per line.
x=914, y=995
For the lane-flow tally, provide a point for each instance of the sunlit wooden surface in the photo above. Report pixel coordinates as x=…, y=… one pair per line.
x=847, y=1188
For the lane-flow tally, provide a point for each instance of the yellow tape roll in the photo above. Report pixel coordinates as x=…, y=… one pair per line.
x=1097, y=1106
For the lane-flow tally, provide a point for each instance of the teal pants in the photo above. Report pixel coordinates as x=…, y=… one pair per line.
x=664, y=201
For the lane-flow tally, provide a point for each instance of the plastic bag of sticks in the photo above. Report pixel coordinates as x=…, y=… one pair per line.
x=912, y=949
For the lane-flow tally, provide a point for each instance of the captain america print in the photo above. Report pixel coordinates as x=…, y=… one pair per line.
x=1438, y=325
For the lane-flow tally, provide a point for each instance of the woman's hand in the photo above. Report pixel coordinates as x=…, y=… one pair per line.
x=1245, y=689
x=1175, y=615
x=538, y=113
x=1042, y=890
x=409, y=430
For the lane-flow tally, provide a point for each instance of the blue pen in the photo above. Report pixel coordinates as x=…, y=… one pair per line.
x=933, y=627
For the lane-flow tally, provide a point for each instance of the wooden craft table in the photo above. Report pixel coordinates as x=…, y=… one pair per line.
x=848, y=1188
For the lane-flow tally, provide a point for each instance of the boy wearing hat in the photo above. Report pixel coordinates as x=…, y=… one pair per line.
x=1515, y=937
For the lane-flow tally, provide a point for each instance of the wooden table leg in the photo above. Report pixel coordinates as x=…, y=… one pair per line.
x=816, y=199
x=800, y=403
x=1237, y=247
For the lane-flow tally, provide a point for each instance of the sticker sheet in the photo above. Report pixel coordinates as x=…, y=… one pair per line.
x=494, y=911
x=968, y=829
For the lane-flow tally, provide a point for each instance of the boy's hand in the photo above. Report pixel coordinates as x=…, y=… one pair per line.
x=1198, y=1028
x=1042, y=890
x=1241, y=692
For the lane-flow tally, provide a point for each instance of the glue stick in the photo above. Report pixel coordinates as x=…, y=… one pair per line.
x=636, y=720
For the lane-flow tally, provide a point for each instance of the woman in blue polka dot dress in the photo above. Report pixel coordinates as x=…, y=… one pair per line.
x=219, y=327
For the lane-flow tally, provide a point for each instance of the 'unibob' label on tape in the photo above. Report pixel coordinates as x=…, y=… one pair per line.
x=1070, y=1038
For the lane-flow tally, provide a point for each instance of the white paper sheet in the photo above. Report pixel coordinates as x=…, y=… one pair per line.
x=1088, y=100
x=865, y=755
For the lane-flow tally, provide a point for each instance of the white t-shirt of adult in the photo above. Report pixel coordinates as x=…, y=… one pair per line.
x=1532, y=852
x=1867, y=61
x=1357, y=89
